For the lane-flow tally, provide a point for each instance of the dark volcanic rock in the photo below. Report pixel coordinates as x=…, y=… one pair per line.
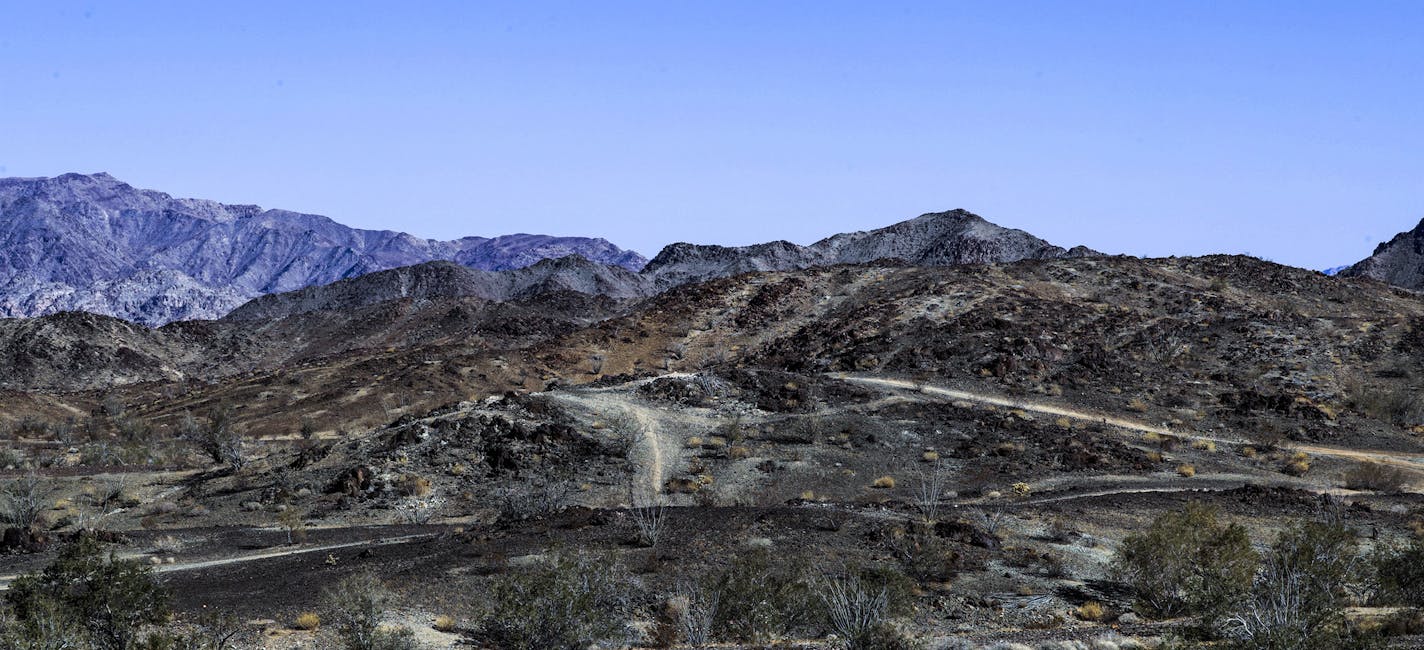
x=436, y=280
x=93, y=243
x=935, y=239
x=1399, y=261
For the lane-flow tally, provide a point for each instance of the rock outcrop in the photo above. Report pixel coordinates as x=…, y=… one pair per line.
x=1399, y=261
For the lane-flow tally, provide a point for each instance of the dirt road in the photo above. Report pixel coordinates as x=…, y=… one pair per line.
x=256, y=557
x=648, y=436
x=1396, y=459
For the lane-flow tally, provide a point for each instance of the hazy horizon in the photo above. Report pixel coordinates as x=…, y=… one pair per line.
x=1288, y=133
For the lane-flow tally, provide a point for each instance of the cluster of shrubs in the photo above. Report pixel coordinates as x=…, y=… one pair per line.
x=114, y=436
x=576, y=599
x=1291, y=595
x=89, y=600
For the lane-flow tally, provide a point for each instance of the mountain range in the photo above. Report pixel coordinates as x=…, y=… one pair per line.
x=94, y=243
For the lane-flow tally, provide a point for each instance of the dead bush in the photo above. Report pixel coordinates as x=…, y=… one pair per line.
x=1376, y=477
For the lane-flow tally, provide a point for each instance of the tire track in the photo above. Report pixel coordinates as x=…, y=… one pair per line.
x=1395, y=459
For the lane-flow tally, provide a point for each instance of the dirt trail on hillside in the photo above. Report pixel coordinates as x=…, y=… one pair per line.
x=255, y=557
x=1396, y=459
x=649, y=437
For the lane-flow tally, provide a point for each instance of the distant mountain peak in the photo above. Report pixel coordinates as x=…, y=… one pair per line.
x=83, y=241
x=931, y=239
x=1399, y=261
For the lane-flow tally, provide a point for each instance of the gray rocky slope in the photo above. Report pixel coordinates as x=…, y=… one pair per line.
x=935, y=239
x=93, y=243
x=1399, y=261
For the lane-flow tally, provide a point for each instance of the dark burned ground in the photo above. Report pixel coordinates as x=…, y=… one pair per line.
x=442, y=572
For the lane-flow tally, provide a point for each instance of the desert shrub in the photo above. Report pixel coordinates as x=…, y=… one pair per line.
x=354, y=609
x=1091, y=611
x=46, y=627
x=1297, y=465
x=1400, y=575
x=1395, y=403
x=444, y=624
x=132, y=429
x=1186, y=470
x=23, y=500
x=106, y=601
x=924, y=556
x=694, y=611
x=569, y=603
x=534, y=499
x=413, y=485
x=1298, y=598
x=218, y=438
x=859, y=604
x=931, y=488
x=1377, y=477
x=307, y=621
x=761, y=598
x=649, y=518
x=294, y=522
x=212, y=631
x=1061, y=530
x=1187, y=563
x=11, y=458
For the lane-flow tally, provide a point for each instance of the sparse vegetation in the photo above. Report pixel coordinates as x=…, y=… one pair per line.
x=1377, y=477
x=217, y=438
x=762, y=597
x=569, y=602
x=1297, y=600
x=90, y=600
x=354, y=608
x=23, y=500
x=1187, y=562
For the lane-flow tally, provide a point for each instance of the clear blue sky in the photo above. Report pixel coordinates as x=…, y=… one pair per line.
x=1288, y=130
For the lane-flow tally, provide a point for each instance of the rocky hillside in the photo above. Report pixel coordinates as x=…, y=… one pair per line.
x=1399, y=261
x=438, y=280
x=94, y=243
x=935, y=239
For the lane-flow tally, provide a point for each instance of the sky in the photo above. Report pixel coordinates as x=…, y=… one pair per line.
x=1289, y=131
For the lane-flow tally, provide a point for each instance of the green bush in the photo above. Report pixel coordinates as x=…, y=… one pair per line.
x=1187, y=563
x=1377, y=477
x=354, y=609
x=104, y=601
x=1401, y=575
x=761, y=598
x=859, y=604
x=575, y=600
x=1300, y=593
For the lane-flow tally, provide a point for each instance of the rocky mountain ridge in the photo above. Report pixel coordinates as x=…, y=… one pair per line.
x=1399, y=261
x=93, y=243
x=934, y=239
